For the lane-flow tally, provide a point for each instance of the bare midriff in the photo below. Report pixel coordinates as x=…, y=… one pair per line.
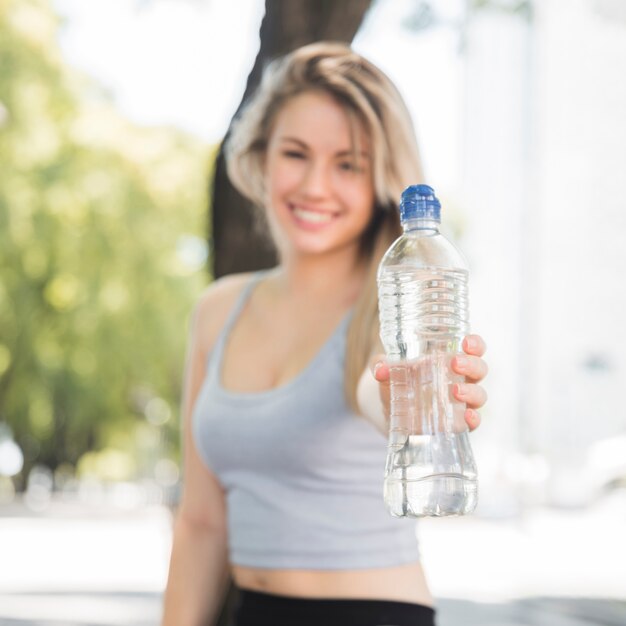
x=402, y=583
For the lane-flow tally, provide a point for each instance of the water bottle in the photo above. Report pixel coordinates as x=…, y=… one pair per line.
x=423, y=310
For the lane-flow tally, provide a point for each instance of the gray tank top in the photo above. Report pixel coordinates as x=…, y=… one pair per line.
x=302, y=473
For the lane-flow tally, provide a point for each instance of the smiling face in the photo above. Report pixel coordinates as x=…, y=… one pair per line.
x=319, y=198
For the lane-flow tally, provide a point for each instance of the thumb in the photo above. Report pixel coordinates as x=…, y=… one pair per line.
x=379, y=368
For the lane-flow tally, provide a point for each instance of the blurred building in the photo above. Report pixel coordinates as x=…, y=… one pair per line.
x=544, y=156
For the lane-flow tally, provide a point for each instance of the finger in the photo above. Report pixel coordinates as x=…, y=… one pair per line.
x=472, y=395
x=474, y=344
x=379, y=368
x=472, y=418
x=472, y=367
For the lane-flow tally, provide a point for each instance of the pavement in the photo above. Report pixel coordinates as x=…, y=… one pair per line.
x=76, y=564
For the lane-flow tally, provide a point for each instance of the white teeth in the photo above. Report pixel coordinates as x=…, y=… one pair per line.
x=312, y=216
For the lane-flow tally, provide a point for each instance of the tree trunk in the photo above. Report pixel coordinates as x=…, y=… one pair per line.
x=287, y=24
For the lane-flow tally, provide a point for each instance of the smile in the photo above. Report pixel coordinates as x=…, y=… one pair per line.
x=312, y=217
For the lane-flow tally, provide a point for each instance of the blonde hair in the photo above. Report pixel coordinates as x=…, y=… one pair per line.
x=369, y=98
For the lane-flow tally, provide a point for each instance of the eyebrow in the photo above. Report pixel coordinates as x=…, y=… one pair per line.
x=341, y=153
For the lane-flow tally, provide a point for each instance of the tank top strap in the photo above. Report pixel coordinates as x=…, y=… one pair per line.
x=215, y=355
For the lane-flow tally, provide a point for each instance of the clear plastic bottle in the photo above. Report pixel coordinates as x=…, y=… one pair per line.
x=423, y=310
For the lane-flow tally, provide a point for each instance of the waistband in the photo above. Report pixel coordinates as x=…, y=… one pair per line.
x=254, y=608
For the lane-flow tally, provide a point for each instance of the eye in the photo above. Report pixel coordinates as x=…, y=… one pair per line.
x=350, y=166
x=294, y=154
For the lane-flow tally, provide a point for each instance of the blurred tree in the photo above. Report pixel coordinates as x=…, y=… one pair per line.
x=99, y=254
x=287, y=24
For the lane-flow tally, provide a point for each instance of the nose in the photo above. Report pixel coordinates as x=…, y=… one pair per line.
x=316, y=182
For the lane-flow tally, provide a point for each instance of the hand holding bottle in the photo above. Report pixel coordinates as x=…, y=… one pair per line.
x=470, y=392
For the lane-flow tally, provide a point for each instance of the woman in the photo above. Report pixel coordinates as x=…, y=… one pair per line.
x=286, y=389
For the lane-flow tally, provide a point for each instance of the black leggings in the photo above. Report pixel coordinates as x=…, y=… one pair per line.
x=264, y=609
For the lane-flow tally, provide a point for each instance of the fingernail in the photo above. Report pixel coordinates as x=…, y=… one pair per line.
x=460, y=390
x=377, y=366
x=461, y=362
x=472, y=344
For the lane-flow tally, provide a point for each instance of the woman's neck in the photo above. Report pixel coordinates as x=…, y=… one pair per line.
x=314, y=279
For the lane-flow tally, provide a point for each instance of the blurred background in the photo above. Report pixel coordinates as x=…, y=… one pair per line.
x=112, y=221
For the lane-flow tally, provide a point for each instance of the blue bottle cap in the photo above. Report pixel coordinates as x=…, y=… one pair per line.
x=419, y=203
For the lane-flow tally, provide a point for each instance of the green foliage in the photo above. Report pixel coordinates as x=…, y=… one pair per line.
x=95, y=294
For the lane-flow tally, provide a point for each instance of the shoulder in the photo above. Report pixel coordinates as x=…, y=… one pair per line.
x=213, y=306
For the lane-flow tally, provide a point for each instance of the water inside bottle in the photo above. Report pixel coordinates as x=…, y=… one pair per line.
x=432, y=475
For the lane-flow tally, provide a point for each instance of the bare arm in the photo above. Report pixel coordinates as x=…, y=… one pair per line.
x=198, y=572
